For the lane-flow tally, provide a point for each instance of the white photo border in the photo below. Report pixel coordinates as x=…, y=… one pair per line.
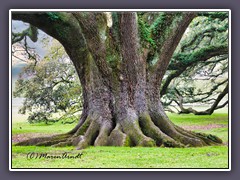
x=120, y=169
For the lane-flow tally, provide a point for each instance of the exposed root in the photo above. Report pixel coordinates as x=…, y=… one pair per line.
x=63, y=144
x=131, y=127
x=102, y=139
x=83, y=128
x=165, y=125
x=188, y=138
x=76, y=128
x=189, y=134
x=208, y=139
x=90, y=135
x=118, y=138
x=44, y=141
x=150, y=130
x=143, y=130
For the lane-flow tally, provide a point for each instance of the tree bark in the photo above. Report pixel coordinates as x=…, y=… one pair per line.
x=121, y=106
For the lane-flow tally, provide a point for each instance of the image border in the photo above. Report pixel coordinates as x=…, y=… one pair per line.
x=119, y=169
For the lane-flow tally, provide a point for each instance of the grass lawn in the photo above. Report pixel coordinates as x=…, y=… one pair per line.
x=126, y=157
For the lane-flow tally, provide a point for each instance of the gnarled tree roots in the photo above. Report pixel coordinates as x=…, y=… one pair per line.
x=143, y=130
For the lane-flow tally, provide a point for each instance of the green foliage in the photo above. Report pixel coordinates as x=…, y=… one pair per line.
x=145, y=34
x=154, y=28
x=38, y=116
x=203, y=32
x=163, y=25
x=212, y=137
x=161, y=22
x=53, y=16
x=215, y=15
x=50, y=87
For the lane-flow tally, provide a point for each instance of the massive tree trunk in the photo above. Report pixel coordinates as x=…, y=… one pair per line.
x=122, y=104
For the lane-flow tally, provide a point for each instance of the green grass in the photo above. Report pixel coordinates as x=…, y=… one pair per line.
x=126, y=157
x=24, y=127
x=190, y=119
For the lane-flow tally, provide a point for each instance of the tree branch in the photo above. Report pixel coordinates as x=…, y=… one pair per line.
x=61, y=26
x=203, y=54
x=174, y=35
x=208, y=111
x=184, y=61
x=198, y=37
x=31, y=32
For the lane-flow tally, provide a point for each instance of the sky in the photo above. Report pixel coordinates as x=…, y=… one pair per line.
x=19, y=26
x=17, y=65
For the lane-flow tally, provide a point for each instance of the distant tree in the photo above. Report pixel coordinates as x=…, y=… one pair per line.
x=50, y=87
x=198, y=71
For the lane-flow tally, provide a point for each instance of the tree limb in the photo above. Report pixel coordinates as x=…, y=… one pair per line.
x=169, y=45
x=183, y=61
x=208, y=111
x=61, y=26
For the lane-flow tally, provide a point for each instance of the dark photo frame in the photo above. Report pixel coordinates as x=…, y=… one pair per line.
x=176, y=5
x=31, y=155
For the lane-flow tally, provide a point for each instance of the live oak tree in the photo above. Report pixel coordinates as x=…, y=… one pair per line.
x=198, y=71
x=120, y=59
x=50, y=87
